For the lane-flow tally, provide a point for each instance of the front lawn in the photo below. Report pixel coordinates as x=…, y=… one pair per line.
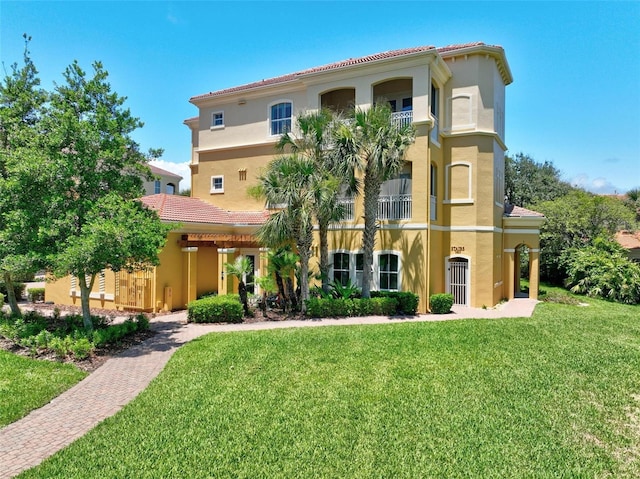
x=27, y=384
x=556, y=395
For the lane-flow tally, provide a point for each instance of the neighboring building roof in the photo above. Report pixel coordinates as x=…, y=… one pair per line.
x=159, y=171
x=518, y=211
x=342, y=64
x=628, y=239
x=184, y=209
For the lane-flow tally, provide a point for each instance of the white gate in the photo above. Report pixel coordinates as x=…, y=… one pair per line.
x=458, y=280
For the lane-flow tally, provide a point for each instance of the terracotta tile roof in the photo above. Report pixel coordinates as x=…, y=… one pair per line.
x=159, y=171
x=628, y=239
x=341, y=64
x=184, y=209
x=460, y=46
x=513, y=210
x=331, y=66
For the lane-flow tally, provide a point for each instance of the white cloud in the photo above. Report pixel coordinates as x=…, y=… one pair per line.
x=600, y=185
x=181, y=169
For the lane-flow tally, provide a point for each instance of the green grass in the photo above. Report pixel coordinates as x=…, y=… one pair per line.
x=27, y=384
x=556, y=395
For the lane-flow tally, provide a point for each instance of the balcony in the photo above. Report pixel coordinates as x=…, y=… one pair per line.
x=401, y=119
x=394, y=207
x=390, y=207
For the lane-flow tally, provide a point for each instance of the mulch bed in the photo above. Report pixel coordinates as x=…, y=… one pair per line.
x=104, y=353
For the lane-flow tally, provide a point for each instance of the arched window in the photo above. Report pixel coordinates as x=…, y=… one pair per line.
x=388, y=271
x=281, y=118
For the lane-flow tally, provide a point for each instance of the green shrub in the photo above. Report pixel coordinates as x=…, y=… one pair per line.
x=1, y=300
x=340, y=307
x=142, y=321
x=441, y=303
x=18, y=289
x=603, y=270
x=407, y=301
x=81, y=348
x=61, y=346
x=216, y=309
x=35, y=294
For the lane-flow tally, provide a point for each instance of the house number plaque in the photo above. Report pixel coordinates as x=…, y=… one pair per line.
x=457, y=249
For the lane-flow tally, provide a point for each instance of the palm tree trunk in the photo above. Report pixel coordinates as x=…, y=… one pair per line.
x=282, y=294
x=11, y=295
x=371, y=195
x=324, y=256
x=242, y=292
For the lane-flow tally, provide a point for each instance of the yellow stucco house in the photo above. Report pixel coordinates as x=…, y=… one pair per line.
x=443, y=223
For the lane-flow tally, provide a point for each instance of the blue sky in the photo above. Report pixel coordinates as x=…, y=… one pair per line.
x=575, y=99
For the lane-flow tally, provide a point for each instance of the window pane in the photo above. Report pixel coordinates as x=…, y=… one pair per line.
x=384, y=281
x=359, y=262
x=393, y=262
x=393, y=281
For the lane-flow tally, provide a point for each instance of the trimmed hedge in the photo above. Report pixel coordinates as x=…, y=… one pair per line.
x=336, y=308
x=35, y=294
x=441, y=303
x=407, y=301
x=215, y=309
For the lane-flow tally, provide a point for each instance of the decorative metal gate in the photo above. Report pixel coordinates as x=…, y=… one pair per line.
x=458, y=280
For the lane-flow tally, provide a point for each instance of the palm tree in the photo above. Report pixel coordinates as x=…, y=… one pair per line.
x=372, y=149
x=240, y=268
x=290, y=181
x=314, y=142
x=282, y=263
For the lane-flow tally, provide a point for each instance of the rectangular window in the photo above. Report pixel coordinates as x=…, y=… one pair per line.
x=217, y=119
x=281, y=118
x=434, y=100
x=407, y=104
x=157, y=187
x=388, y=269
x=217, y=184
x=359, y=269
x=341, y=268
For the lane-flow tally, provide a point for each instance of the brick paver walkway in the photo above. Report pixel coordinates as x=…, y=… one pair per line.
x=27, y=442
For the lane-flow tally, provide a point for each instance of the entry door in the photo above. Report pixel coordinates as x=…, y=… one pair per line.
x=458, y=280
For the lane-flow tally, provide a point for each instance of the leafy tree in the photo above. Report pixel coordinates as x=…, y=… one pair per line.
x=603, y=270
x=314, y=143
x=528, y=182
x=371, y=149
x=116, y=233
x=575, y=221
x=97, y=169
x=632, y=200
x=291, y=181
x=21, y=105
x=239, y=268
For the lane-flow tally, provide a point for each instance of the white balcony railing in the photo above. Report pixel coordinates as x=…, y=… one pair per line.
x=401, y=119
x=348, y=205
x=394, y=207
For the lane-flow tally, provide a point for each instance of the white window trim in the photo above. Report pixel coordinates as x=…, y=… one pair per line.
x=376, y=269
x=470, y=125
x=213, y=125
x=352, y=264
x=217, y=190
x=269, y=119
x=447, y=192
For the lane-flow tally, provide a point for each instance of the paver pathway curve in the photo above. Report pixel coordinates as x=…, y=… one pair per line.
x=27, y=442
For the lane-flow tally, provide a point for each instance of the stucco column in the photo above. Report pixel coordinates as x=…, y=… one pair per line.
x=225, y=283
x=509, y=256
x=534, y=273
x=190, y=274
